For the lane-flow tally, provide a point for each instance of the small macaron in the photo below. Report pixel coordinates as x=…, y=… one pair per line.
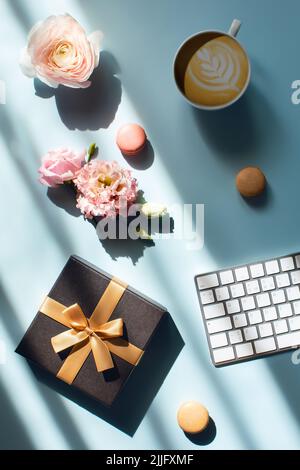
x=192, y=417
x=250, y=181
x=131, y=139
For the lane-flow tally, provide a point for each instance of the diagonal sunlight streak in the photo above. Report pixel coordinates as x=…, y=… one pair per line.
x=27, y=17
x=110, y=17
x=13, y=435
x=160, y=432
x=223, y=382
x=16, y=146
x=12, y=374
x=159, y=184
x=192, y=335
x=168, y=193
x=126, y=112
x=51, y=400
x=20, y=144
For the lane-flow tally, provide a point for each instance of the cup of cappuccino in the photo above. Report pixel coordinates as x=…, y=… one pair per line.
x=212, y=69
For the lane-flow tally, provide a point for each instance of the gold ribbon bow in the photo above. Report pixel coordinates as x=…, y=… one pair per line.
x=95, y=334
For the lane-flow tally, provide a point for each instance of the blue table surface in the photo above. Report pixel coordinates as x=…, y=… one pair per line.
x=254, y=405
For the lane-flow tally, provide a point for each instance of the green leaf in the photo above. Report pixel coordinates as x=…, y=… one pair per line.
x=91, y=151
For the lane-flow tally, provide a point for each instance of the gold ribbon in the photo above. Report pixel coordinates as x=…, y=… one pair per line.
x=96, y=334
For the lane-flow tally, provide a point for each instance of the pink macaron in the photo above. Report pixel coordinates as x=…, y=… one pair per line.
x=131, y=139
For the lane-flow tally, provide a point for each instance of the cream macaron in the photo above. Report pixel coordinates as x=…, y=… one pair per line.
x=192, y=417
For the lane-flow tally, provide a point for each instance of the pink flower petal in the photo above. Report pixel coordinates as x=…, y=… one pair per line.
x=97, y=198
x=60, y=165
x=42, y=57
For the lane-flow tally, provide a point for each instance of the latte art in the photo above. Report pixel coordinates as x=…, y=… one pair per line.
x=219, y=68
x=217, y=72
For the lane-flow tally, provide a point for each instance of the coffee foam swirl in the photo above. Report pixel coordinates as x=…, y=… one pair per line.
x=219, y=68
x=217, y=72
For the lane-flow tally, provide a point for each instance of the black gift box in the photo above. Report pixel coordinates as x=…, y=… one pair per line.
x=83, y=283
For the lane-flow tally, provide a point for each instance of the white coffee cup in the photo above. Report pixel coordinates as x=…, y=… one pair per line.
x=187, y=50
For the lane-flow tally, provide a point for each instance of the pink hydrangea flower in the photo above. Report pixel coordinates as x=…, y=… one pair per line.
x=103, y=187
x=59, y=52
x=60, y=165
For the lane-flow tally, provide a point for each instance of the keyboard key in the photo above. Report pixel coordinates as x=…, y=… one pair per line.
x=267, y=283
x=250, y=333
x=296, y=306
x=294, y=323
x=213, y=311
x=241, y=274
x=285, y=310
x=237, y=290
x=207, y=297
x=221, y=324
x=293, y=293
x=265, y=330
x=235, y=336
x=223, y=354
x=244, y=350
x=263, y=300
x=240, y=320
x=208, y=281
x=264, y=345
x=287, y=264
x=222, y=293
x=283, y=280
x=257, y=270
x=254, y=317
x=270, y=313
x=252, y=287
x=295, y=275
x=278, y=296
x=280, y=326
x=252, y=310
x=226, y=277
x=272, y=267
x=218, y=340
x=233, y=306
x=248, y=303
x=289, y=339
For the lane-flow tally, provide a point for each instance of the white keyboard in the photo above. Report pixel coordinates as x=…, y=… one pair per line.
x=251, y=311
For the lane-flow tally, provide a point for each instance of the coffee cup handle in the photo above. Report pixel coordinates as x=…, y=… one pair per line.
x=234, y=28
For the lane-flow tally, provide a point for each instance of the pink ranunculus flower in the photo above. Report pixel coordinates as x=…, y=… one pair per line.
x=59, y=52
x=103, y=188
x=60, y=165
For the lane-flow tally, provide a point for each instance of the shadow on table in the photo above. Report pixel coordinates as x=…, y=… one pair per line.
x=13, y=434
x=53, y=402
x=64, y=197
x=132, y=249
x=8, y=129
x=91, y=108
x=21, y=13
x=205, y=437
x=128, y=247
x=241, y=136
x=143, y=160
x=236, y=131
x=261, y=201
x=138, y=393
x=287, y=376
